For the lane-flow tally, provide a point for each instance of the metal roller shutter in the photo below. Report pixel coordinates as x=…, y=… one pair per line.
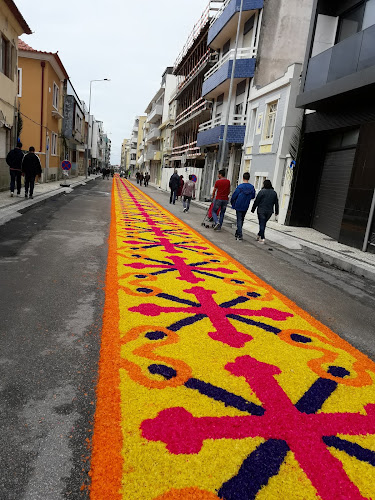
x=333, y=192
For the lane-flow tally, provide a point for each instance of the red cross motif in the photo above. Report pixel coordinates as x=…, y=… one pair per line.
x=178, y=264
x=225, y=331
x=184, y=434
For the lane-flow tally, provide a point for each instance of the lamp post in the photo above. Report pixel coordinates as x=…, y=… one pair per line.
x=88, y=127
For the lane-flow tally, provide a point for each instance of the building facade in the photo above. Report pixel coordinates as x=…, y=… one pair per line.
x=12, y=25
x=73, y=130
x=42, y=76
x=335, y=182
x=137, y=144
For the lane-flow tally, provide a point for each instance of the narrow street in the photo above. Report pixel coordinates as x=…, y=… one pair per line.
x=53, y=262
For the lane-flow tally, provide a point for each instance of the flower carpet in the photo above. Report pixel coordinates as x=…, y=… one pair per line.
x=212, y=385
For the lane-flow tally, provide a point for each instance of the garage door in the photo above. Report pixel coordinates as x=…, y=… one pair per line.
x=333, y=192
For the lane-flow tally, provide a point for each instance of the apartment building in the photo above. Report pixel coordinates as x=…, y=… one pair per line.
x=216, y=87
x=156, y=124
x=41, y=77
x=125, y=154
x=73, y=130
x=136, y=141
x=191, y=109
x=12, y=25
x=334, y=189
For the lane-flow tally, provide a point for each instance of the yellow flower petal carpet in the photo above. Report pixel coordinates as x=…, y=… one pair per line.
x=212, y=385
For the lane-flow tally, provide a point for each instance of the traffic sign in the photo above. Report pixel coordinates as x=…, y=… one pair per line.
x=194, y=178
x=66, y=165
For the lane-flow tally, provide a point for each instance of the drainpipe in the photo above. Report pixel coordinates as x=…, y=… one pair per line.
x=369, y=224
x=43, y=65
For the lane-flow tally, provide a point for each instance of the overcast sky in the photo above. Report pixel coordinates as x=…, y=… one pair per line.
x=129, y=41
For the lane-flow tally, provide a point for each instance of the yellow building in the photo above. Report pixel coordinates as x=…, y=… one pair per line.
x=42, y=77
x=12, y=25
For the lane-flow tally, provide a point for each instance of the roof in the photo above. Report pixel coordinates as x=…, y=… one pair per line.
x=17, y=14
x=23, y=46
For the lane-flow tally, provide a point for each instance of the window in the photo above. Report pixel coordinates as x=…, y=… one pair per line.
x=226, y=48
x=53, y=144
x=56, y=96
x=241, y=87
x=19, y=82
x=350, y=22
x=269, y=129
x=249, y=25
x=369, y=18
x=5, y=56
x=238, y=110
x=260, y=177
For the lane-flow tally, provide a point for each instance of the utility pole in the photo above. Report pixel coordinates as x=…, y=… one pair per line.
x=223, y=145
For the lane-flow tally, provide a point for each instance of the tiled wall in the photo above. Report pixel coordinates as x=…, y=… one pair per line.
x=236, y=134
x=245, y=68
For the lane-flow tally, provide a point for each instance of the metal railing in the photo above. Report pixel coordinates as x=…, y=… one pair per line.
x=189, y=149
x=215, y=122
x=244, y=53
x=200, y=105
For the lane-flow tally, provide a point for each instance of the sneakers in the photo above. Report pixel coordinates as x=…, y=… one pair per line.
x=185, y=210
x=261, y=241
x=258, y=238
x=31, y=197
x=26, y=195
x=217, y=227
x=11, y=195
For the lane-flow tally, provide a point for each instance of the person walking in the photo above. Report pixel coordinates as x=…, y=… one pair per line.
x=188, y=192
x=221, y=196
x=137, y=177
x=265, y=202
x=31, y=167
x=180, y=187
x=147, y=179
x=141, y=178
x=174, y=183
x=240, y=201
x=14, y=160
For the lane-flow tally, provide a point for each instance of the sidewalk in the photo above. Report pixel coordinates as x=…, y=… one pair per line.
x=10, y=208
x=304, y=239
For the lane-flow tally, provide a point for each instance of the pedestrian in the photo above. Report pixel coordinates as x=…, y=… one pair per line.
x=107, y=172
x=240, y=201
x=147, y=179
x=221, y=196
x=180, y=187
x=137, y=177
x=104, y=171
x=174, y=183
x=112, y=171
x=14, y=160
x=31, y=167
x=141, y=178
x=188, y=192
x=265, y=201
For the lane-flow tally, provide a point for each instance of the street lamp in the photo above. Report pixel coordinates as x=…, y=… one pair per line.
x=88, y=127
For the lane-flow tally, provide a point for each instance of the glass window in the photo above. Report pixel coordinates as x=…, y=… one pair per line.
x=56, y=93
x=369, y=17
x=249, y=25
x=350, y=22
x=226, y=48
x=5, y=56
x=269, y=129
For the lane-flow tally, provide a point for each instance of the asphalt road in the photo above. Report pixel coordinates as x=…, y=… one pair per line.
x=52, y=270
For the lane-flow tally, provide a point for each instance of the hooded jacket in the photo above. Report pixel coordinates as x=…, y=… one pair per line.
x=174, y=182
x=242, y=196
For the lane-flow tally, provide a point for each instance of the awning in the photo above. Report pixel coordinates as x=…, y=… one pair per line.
x=140, y=161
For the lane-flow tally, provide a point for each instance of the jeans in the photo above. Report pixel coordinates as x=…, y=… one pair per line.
x=172, y=199
x=15, y=178
x=240, y=219
x=263, y=219
x=186, y=202
x=222, y=204
x=29, y=184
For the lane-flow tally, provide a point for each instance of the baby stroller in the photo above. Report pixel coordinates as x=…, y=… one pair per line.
x=208, y=217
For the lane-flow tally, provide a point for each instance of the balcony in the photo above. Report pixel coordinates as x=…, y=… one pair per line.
x=155, y=114
x=347, y=66
x=208, y=58
x=212, y=132
x=191, y=150
x=153, y=135
x=198, y=108
x=224, y=24
x=152, y=153
x=217, y=79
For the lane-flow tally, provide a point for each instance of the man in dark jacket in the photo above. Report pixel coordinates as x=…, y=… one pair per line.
x=240, y=200
x=265, y=201
x=14, y=160
x=174, y=184
x=31, y=167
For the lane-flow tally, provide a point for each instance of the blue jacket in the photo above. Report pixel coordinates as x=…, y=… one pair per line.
x=242, y=196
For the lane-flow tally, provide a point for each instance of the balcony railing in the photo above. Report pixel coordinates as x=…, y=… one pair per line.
x=200, y=105
x=220, y=11
x=216, y=122
x=207, y=57
x=155, y=114
x=190, y=149
x=244, y=53
x=153, y=134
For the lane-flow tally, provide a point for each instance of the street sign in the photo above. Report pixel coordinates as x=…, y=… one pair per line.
x=194, y=178
x=66, y=165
